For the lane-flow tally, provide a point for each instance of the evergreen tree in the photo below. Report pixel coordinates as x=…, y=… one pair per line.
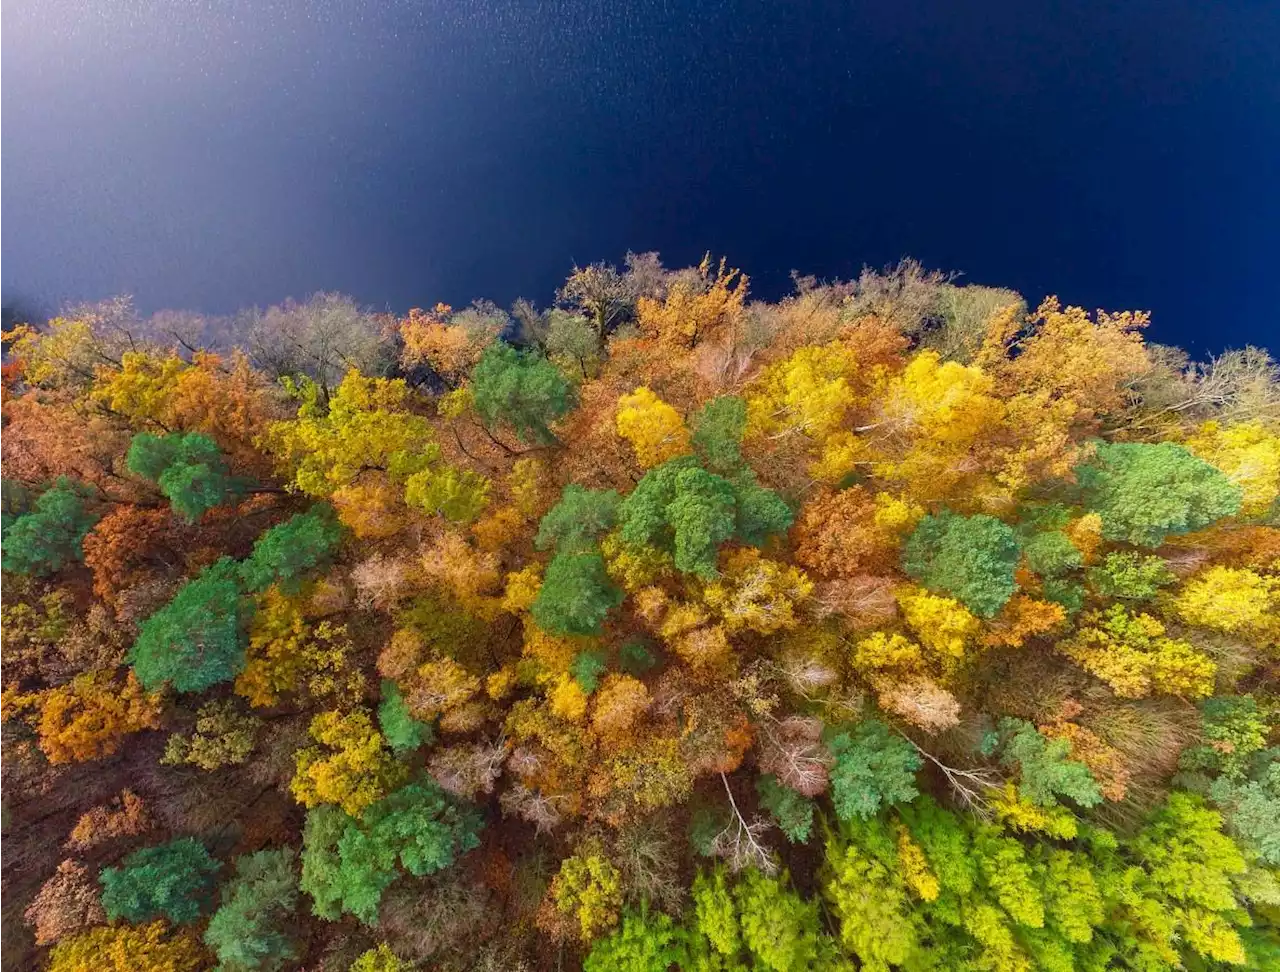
x=873, y=768
x=197, y=639
x=285, y=553
x=576, y=595
x=189, y=469
x=683, y=509
x=587, y=668
x=1051, y=553
x=1045, y=768
x=1145, y=492
x=718, y=428
x=574, y=523
x=792, y=812
x=51, y=536
x=400, y=729
x=348, y=863
x=250, y=930
x=971, y=558
x=174, y=881
x=522, y=389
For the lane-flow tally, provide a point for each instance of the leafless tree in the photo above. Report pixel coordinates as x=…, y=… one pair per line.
x=647, y=276
x=648, y=858
x=961, y=315
x=322, y=338
x=469, y=768
x=738, y=844
x=905, y=295
x=532, y=805
x=601, y=294
x=1236, y=386
x=922, y=702
x=792, y=750
x=970, y=786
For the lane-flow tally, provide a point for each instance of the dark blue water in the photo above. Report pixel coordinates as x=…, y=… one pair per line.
x=1121, y=155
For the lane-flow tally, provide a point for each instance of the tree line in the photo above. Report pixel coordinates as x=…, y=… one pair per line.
x=895, y=625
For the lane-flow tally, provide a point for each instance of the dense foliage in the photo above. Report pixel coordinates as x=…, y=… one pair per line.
x=891, y=626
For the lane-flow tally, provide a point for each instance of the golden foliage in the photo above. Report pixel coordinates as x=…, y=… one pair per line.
x=350, y=766
x=90, y=716
x=655, y=429
x=1062, y=354
x=808, y=394
x=1131, y=653
x=1235, y=602
x=869, y=404
x=944, y=626
x=567, y=700
x=451, y=349
x=1018, y=813
x=617, y=706
x=1249, y=453
x=915, y=868
x=635, y=568
x=757, y=594
x=1105, y=762
x=440, y=686
x=522, y=588
x=1024, y=617
x=368, y=432
x=698, y=306
x=472, y=577
x=589, y=888
x=233, y=405
x=288, y=652
x=500, y=527
x=882, y=650
x=128, y=948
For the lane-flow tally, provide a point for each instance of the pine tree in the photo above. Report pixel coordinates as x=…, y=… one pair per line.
x=348, y=863
x=190, y=470
x=174, y=881
x=197, y=639
x=285, y=553
x=1145, y=492
x=972, y=558
x=576, y=595
x=873, y=768
x=51, y=536
x=250, y=930
x=522, y=389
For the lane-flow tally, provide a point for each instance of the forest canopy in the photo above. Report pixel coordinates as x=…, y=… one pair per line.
x=894, y=625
